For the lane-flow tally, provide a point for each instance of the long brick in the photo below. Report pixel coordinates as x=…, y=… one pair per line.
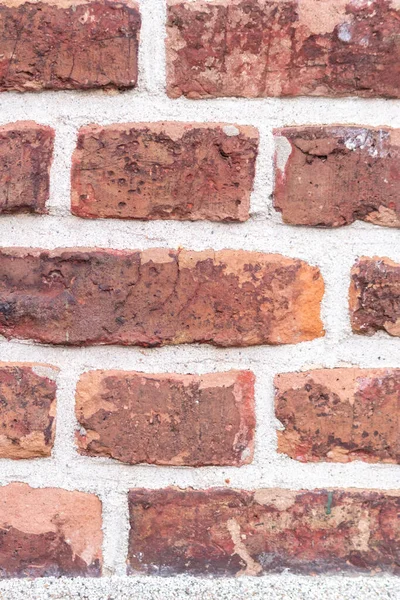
x=332, y=176
x=374, y=296
x=184, y=171
x=49, y=532
x=159, y=296
x=167, y=419
x=259, y=48
x=228, y=532
x=339, y=415
x=28, y=409
x=26, y=152
x=68, y=45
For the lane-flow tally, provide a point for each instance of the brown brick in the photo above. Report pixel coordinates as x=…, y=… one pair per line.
x=184, y=171
x=375, y=296
x=339, y=415
x=158, y=296
x=167, y=419
x=256, y=48
x=28, y=409
x=332, y=176
x=26, y=152
x=68, y=45
x=49, y=532
x=228, y=532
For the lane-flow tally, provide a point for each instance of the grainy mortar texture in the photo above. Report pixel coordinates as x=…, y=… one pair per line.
x=333, y=251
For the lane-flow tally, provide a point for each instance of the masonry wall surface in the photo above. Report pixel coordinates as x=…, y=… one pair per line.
x=334, y=251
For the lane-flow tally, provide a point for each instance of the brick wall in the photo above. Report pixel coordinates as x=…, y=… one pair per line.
x=199, y=291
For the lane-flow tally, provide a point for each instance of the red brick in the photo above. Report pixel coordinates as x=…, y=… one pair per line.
x=28, y=409
x=332, y=176
x=256, y=48
x=49, y=532
x=164, y=171
x=167, y=419
x=26, y=153
x=72, y=45
x=374, y=296
x=228, y=532
x=339, y=415
x=158, y=296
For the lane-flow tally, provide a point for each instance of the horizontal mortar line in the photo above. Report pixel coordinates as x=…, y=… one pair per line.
x=185, y=356
x=92, y=480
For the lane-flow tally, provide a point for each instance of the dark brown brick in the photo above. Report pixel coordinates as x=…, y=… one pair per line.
x=184, y=171
x=158, y=296
x=339, y=415
x=228, y=532
x=332, y=176
x=68, y=45
x=167, y=419
x=26, y=153
x=254, y=48
x=375, y=296
x=27, y=410
x=49, y=532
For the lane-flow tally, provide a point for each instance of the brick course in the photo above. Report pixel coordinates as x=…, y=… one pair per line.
x=254, y=48
x=156, y=297
x=230, y=532
x=332, y=176
x=49, y=532
x=83, y=45
x=339, y=415
x=164, y=171
x=26, y=152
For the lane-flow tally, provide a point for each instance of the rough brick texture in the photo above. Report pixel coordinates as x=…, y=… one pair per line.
x=68, y=45
x=375, y=296
x=164, y=171
x=167, y=419
x=228, y=532
x=283, y=48
x=26, y=152
x=332, y=176
x=339, y=415
x=159, y=296
x=49, y=532
x=27, y=410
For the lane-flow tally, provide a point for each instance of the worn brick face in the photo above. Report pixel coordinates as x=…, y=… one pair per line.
x=159, y=296
x=332, y=176
x=27, y=410
x=26, y=152
x=164, y=171
x=167, y=419
x=374, y=296
x=49, y=532
x=259, y=48
x=68, y=45
x=229, y=532
x=339, y=415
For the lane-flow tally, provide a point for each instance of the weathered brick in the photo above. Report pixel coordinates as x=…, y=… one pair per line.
x=158, y=296
x=28, y=408
x=184, y=171
x=68, y=45
x=374, y=296
x=228, y=532
x=167, y=419
x=49, y=532
x=26, y=152
x=332, y=176
x=259, y=48
x=339, y=415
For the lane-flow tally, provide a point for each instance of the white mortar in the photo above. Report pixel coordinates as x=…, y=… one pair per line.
x=334, y=251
